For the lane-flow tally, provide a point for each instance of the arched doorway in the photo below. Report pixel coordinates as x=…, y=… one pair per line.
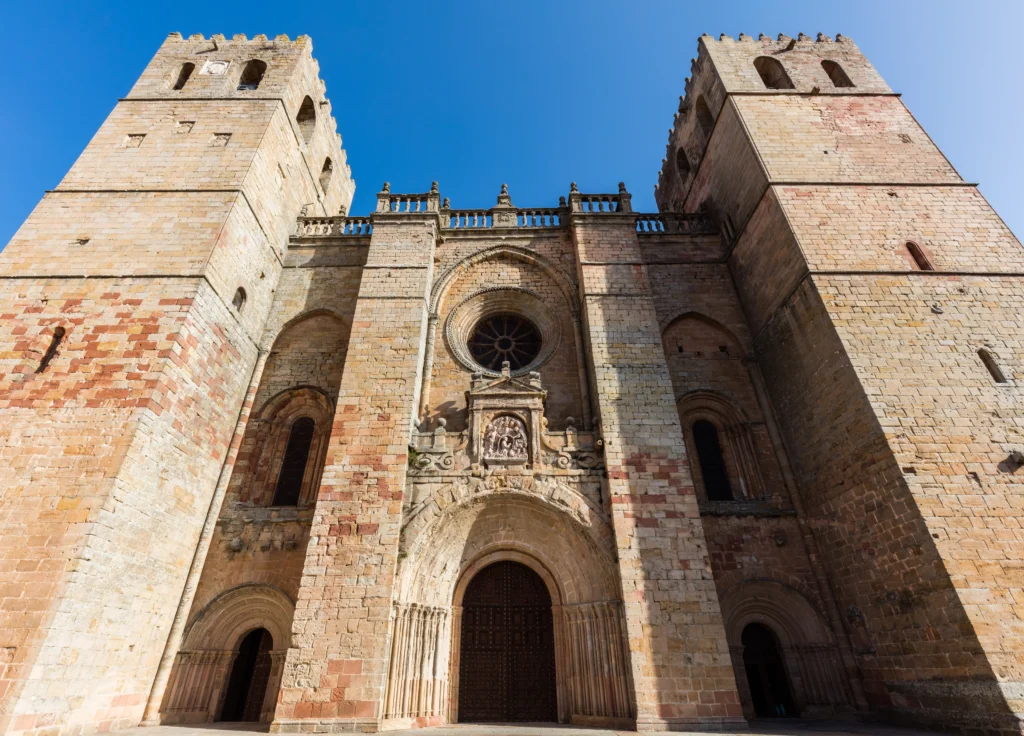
x=766, y=673
x=250, y=673
x=507, y=664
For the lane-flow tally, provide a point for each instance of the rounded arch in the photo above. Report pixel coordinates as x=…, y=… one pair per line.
x=271, y=336
x=306, y=118
x=791, y=615
x=773, y=74
x=678, y=316
x=283, y=406
x=508, y=555
x=447, y=279
x=442, y=545
x=221, y=623
x=710, y=405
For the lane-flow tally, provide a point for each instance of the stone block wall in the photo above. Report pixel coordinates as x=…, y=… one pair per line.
x=138, y=255
x=852, y=334
x=673, y=620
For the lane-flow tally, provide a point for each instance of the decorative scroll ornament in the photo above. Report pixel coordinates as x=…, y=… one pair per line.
x=506, y=439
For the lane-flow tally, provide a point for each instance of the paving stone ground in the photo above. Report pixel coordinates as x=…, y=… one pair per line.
x=779, y=728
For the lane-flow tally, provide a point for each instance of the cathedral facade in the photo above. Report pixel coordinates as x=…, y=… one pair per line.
x=754, y=455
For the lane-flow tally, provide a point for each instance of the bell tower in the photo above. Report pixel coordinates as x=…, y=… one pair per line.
x=134, y=298
x=880, y=290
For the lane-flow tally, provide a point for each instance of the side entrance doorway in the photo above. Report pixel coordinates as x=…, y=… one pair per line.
x=250, y=674
x=507, y=665
x=766, y=673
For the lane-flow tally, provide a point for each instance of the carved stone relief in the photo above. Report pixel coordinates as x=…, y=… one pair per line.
x=506, y=440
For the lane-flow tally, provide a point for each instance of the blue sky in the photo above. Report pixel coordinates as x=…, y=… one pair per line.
x=535, y=94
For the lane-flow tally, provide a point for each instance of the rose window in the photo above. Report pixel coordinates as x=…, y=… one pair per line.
x=502, y=337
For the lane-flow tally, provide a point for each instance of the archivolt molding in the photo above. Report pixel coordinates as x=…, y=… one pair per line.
x=221, y=624
x=447, y=500
x=688, y=313
x=463, y=318
x=457, y=526
x=277, y=406
x=705, y=404
x=272, y=335
x=445, y=281
x=795, y=620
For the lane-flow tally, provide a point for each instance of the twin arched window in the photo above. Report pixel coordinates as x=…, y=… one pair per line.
x=774, y=75
x=293, y=469
x=712, y=461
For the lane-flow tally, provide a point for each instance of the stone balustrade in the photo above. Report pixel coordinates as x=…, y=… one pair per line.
x=672, y=223
x=407, y=203
x=312, y=227
x=506, y=215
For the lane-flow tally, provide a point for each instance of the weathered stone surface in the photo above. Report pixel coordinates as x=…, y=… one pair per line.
x=788, y=401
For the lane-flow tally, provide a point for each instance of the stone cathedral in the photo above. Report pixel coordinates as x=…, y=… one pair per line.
x=756, y=455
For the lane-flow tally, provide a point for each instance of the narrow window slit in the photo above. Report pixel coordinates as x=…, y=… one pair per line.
x=993, y=368
x=920, y=259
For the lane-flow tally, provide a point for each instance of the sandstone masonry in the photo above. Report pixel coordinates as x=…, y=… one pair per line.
x=754, y=455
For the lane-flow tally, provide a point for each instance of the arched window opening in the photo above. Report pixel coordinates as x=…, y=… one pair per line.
x=296, y=456
x=250, y=674
x=766, y=673
x=712, y=462
x=682, y=163
x=836, y=73
x=306, y=118
x=704, y=117
x=252, y=74
x=920, y=259
x=183, y=76
x=325, y=174
x=238, y=301
x=55, y=341
x=993, y=368
x=772, y=73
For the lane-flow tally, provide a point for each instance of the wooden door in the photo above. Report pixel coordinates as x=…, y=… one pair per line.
x=507, y=665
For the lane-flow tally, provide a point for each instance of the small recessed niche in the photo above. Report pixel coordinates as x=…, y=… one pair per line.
x=185, y=126
x=238, y=301
x=220, y=140
x=133, y=140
